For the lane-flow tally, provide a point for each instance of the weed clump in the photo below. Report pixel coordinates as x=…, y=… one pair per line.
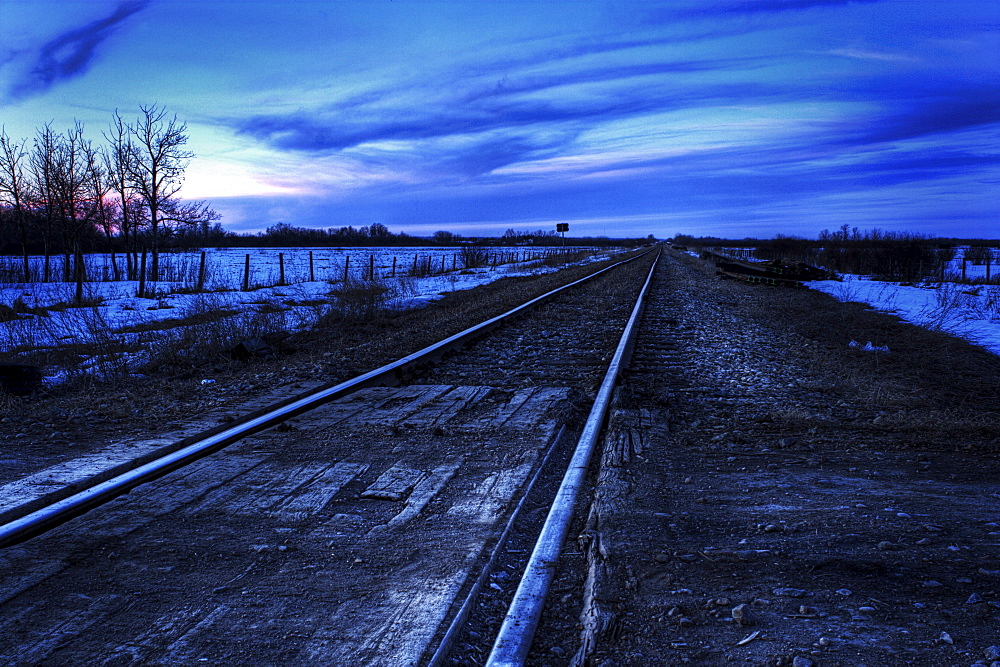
x=360, y=299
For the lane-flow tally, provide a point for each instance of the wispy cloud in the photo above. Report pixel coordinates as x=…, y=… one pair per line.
x=535, y=106
x=70, y=54
x=865, y=54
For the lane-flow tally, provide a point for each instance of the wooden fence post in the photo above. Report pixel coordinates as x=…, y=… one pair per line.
x=393, y=266
x=201, y=273
x=281, y=268
x=246, y=273
x=371, y=267
x=414, y=271
x=347, y=267
x=989, y=260
x=142, y=276
x=963, y=268
x=312, y=272
x=442, y=263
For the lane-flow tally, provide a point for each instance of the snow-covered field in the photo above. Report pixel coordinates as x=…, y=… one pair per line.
x=970, y=312
x=113, y=309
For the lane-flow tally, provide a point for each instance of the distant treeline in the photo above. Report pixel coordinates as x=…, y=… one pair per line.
x=283, y=235
x=888, y=255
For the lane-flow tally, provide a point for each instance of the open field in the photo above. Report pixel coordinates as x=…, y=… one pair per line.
x=113, y=331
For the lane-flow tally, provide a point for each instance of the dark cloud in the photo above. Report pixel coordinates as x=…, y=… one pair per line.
x=955, y=110
x=769, y=6
x=499, y=150
x=507, y=105
x=70, y=54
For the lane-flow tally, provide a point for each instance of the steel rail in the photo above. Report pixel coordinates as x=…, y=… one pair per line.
x=41, y=519
x=518, y=629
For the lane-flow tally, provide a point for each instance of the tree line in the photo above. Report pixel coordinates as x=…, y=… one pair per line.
x=285, y=235
x=61, y=193
x=886, y=254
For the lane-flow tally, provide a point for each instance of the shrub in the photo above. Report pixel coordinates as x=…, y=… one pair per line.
x=474, y=257
x=360, y=299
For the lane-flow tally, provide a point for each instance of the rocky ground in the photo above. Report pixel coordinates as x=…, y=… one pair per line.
x=770, y=495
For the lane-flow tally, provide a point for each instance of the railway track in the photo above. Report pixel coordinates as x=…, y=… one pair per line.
x=763, y=496
x=763, y=493
x=350, y=526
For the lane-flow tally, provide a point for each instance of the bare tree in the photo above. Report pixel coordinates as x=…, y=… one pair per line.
x=43, y=167
x=156, y=171
x=98, y=183
x=71, y=172
x=116, y=164
x=15, y=189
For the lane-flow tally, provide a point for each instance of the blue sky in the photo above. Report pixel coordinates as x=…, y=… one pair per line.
x=724, y=117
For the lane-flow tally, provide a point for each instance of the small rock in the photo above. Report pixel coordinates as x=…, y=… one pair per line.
x=801, y=661
x=662, y=558
x=989, y=573
x=557, y=651
x=924, y=541
x=975, y=598
x=844, y=591
x=772, y=528
x=945, y=638
x=685, y=622
x=789, y=592
x=823, y=641
x=742, y=616
x=902, y=515
x=992, y=653
x=866, y=609
x=930, y=583
x=885, y=545
x=688, y=558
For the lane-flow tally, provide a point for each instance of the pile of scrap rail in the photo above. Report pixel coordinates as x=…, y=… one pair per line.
x=780, y=273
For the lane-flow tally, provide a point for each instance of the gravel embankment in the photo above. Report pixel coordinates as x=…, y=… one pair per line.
x=771, y=496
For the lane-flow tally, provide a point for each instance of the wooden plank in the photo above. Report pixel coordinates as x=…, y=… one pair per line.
x=488, y=499
x=395, y=484
x=315, y=493
x=406, y=402
x=539, y=404
x=505, y=412
x=422, y=494
x=445, y=407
